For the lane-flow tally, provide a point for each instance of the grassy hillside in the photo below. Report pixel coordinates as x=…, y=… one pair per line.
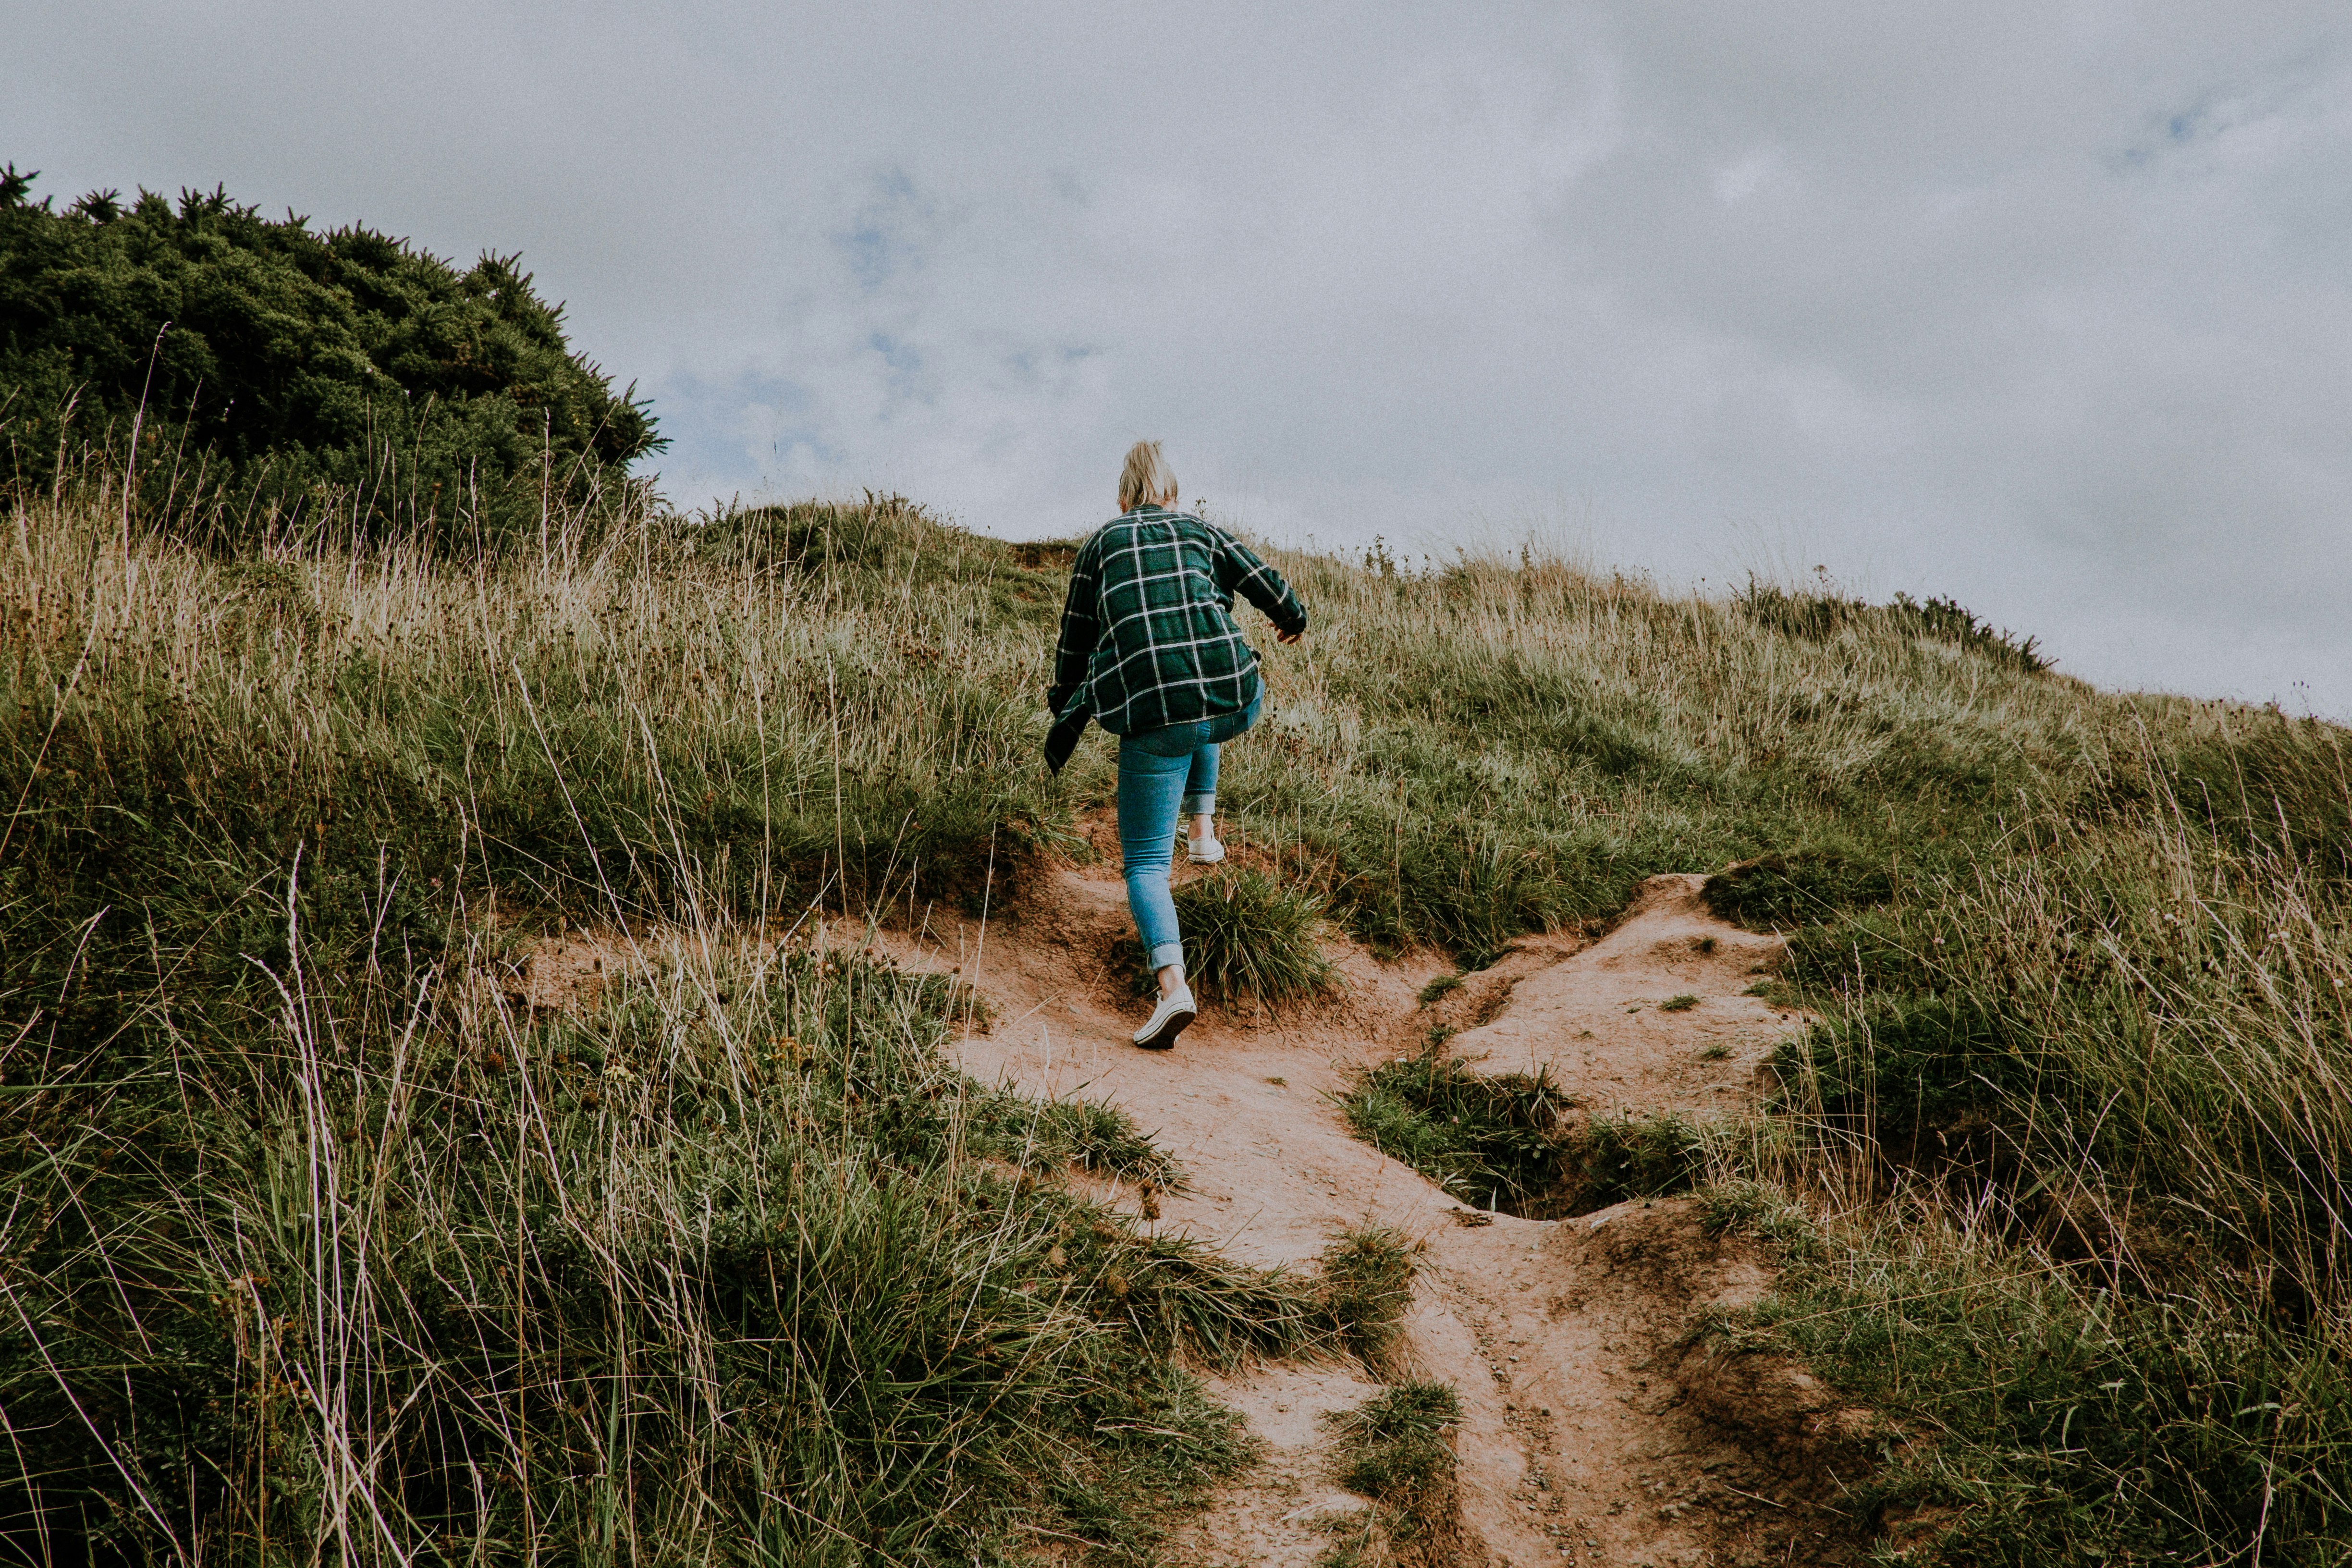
x=310, y=1238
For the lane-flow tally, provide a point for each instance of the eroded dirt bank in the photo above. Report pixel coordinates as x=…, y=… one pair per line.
x=1589, y=1434
x=1581, y=1440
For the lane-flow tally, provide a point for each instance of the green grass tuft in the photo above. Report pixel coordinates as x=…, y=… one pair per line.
x=1397, y=1448
x=1366, y=1284
x=1503, y=1143
x=1439, y=989
x=1749, y=1207
x=1082, y=1132
x=1801, y=887
x=1248, y=936
x=1614, y=1158
x=1495, y=1142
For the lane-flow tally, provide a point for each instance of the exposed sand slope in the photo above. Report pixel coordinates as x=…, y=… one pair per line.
x=1596, y=1019
x=1578, y=1442
x=1591, y=1435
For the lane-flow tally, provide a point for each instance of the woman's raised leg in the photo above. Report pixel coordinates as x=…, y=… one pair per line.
x=1201, y=806
x=1151, y=788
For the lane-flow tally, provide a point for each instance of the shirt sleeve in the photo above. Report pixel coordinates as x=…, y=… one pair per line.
x=1239, y=571
x=1081, y=629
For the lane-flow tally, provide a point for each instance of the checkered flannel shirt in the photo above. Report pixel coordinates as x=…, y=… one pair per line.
x=1148, y=632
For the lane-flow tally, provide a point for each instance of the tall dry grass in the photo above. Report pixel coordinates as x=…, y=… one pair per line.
x=2070, y=1138
x=2070, y=1145
x=604, y=729
x=1496, y=746
x=314, y=1241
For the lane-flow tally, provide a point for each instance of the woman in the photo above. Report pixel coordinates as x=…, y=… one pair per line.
x=1149, y=651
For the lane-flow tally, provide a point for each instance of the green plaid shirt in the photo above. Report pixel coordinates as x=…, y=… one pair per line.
x=1148, y=633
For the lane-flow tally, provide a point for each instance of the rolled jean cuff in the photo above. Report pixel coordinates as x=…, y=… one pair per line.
x=1164, y=953
x=1203, y=804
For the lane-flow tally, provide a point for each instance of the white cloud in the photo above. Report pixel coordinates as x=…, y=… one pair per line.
x=2040, y=305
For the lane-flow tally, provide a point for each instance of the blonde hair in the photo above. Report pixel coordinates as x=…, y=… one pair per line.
x=1145, y=477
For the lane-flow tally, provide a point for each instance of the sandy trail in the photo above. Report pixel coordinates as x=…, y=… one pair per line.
x=1591, y=1433
x=1581, y=1442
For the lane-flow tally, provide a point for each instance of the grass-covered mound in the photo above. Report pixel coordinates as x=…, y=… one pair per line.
x=2083, y=957
x=616, y=735
x=313, y=1243
x=732, y=1268
x=273, y=378
x=1491, y=748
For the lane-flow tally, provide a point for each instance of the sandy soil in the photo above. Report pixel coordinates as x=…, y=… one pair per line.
x=1627, y=1024
x=1589, y=1435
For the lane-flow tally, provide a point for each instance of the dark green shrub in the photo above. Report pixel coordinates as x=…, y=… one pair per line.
x=268, y=367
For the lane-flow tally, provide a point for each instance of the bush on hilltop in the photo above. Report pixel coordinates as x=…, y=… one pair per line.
x=272, y=373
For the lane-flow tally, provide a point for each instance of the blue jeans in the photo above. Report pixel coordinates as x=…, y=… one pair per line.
x=1163, y=773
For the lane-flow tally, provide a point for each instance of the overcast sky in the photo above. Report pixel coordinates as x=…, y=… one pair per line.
x=2046, y=306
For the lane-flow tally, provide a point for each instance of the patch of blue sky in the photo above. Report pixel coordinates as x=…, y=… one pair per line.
x=902, y=369
x=881, y=241
x=1043, y=364
x=736, y=436
x=2304, y=86
x=2168, y=132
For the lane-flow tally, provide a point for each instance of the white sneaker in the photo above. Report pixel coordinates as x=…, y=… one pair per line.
x=1166, y=1020
x=1204, y=851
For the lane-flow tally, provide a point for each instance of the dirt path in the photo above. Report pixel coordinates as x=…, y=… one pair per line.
x=1590, y=1434
x=1584, y=1438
